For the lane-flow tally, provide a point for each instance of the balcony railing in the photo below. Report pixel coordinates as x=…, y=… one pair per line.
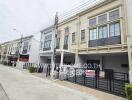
x=65, y=47
x=105, y=41
x=57, y=47
x=45, y=49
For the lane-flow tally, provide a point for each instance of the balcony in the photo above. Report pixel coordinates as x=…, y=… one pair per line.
x=105, y=41
x=24, y=52
x=46, y=49
x=65, y=47
x=57, y=47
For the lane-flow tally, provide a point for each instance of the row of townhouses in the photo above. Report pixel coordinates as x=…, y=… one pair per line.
x=25, y=49
x=100, y=35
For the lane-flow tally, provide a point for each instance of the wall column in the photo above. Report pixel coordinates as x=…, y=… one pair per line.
x=128, y=17
x=62, y=58
x=77, y=59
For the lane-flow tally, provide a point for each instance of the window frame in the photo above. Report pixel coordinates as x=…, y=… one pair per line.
x=83, y=31
x=74, y=34
x=67, y=30
x=66, y=41
x=93, y=29
x=47, y=41
x=104, y=21
x=103, y=32
x=91, y=23
x=115, y=34
x=114, y=11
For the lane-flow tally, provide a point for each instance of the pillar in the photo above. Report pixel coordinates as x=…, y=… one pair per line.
x=128, y=8
x=62, y=58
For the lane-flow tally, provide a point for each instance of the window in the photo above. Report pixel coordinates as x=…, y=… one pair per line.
x=47, y=41
x=102, y=19
x=41, y=44
x=103, y=33
x=67, y=30
x=92, y=22
x=73, y=37
x=66, y=40
x=25, y=47
x=93, y=34
x=82, y=35
x=115, y=29
x=114, y=15
x=57, y=43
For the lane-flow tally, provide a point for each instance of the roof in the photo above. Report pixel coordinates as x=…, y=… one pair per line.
x=26, y=37
x=48, y=28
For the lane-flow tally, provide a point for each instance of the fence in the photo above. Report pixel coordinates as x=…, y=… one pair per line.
x=3, y=95
x=40, y=68
x=107, y=80
x=112, y=82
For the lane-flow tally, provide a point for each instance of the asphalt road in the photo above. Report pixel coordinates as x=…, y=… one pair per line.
x=20, y=85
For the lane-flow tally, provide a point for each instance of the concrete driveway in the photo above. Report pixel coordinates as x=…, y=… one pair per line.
x=20, y=85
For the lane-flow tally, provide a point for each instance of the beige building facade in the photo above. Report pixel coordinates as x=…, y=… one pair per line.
x=98, y=35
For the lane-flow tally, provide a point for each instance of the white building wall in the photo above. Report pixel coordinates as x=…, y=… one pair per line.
x=34, y=51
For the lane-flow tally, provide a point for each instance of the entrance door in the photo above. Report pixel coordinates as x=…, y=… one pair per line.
x=48, y=70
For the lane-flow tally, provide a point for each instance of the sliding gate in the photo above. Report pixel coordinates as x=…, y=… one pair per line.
x=112, y=82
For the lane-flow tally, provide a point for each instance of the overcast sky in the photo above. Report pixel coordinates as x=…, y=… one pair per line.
x=30, y=16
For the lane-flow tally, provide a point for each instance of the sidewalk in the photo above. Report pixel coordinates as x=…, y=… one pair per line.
x=99, y=94
x=21, y=85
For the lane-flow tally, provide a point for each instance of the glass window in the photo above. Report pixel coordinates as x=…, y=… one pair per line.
x=82, y=35
x=93, y=34
x=103, y=33
x=47, y=41
x=115, y=29
x=66, y=40
x=73, y=37
x=102, y=19
x=114, y=15
x=25, y=47
x=57, y=42
x=67, y=30
x=92, y=22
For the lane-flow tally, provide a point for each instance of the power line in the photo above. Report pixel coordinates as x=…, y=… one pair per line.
x=80, y=8
x=75, y=10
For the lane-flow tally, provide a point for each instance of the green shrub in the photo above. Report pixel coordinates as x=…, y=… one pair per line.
x=31, y=69
x=128, y=89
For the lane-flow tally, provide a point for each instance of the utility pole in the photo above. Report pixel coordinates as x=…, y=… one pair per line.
x=53, y=44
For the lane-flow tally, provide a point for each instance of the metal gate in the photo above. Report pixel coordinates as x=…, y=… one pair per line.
x=112, y=82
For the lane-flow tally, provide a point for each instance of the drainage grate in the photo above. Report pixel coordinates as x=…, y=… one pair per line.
x=3, y=95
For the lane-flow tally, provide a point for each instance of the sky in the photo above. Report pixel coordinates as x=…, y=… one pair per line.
x=30, y=16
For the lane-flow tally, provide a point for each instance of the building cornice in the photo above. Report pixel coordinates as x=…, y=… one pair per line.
x=86, y=11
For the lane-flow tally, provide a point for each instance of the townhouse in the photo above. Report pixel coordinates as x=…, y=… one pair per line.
x=98, y=36
x=25, y=49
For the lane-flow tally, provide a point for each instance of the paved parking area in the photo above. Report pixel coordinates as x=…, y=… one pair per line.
x=20, y=85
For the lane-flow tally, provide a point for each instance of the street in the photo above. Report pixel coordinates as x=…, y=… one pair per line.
x=20, y=85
